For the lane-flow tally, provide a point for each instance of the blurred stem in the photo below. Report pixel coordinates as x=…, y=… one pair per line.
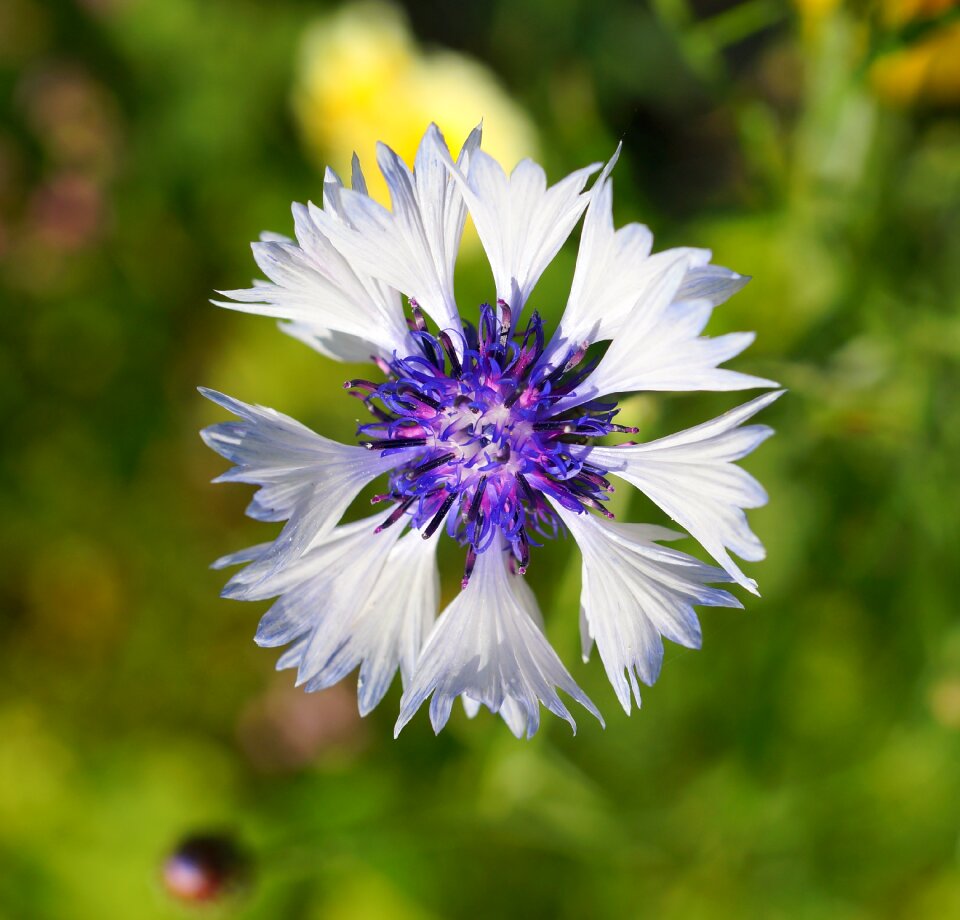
x=702, y=42
x=675, y=13
x=740, y=22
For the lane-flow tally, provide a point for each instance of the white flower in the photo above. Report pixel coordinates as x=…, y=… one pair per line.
x=487, y=647
x=486, y=432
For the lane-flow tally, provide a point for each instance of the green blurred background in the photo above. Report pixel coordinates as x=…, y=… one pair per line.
x=803, y=764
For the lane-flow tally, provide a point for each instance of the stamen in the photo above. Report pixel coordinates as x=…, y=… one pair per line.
x=395, y=515
x=468, y=566
x=387, y=443
x=567, y=427
x=455, y=367
x=474, y=509
x=376, y=411
x=420, y=396
x=488, y=327
x=528, y=492
x=511, y=400
x=439, y=516
x=506, y=321
x=597, y=480
x=472, y=420
x=359, y=384
x=431, y=464
x=593, y=503
x=576, y=356
x=524, y=546
x=535, y=329
x=419, y=323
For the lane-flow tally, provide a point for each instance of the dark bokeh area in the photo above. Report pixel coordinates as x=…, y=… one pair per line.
x=803, y=764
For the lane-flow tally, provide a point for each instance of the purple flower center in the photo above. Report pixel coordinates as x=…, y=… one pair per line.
x=490, y=447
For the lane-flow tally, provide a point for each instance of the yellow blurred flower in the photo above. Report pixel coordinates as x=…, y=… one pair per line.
x=944, y=701
x=816, y=9
x=362, y=78
x=900, y=12
x=926, y=71
x=813, y=13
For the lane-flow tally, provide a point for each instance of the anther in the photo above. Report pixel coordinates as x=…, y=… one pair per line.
x=524, y=551
x=593, y=503
x=395, y=515
x=376, y=411
x=474, y=510
x=468, y=566
x=431, y=528
x=527, y=489
x=387, y=443
x=431, y=464
x=595, y=479
x=456, y=369
x=418, y=320
x=408, y=390
x=575, y=356
x=509, y=402
x=506, y=321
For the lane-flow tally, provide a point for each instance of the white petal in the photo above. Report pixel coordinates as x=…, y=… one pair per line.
x=241, y=557
x=635, y=593
x=521, y=222
x=352, y=349
x=398, y=616
x=324, y=597
x=292, y=656
x=268, y=236
x=486, y=647
x=511, y=711
x=527, y=599
x=414, y=246
x=345, y=563
x=711, y=282
x=611, y=270
x=441, y=203
x=357, y=181
x=673, y=356
x=614, y=271
x=470, y=706
x=356, y=598
x=305, y=479
x=659, y=346
x=692, y=477
x=316, y=288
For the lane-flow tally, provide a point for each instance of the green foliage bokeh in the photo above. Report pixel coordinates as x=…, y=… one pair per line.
x=803, y=764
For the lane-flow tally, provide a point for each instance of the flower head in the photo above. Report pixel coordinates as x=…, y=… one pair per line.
x=485, y=432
